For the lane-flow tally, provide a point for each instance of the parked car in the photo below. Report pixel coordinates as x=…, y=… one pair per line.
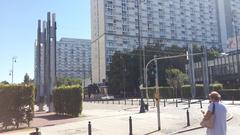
x=107, y=97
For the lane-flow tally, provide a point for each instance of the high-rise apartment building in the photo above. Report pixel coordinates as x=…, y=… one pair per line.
x=116, y=25
x=73, y=58
x=229, y=23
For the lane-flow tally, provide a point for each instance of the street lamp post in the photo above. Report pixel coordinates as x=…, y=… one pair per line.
x=156, y=80
x=140, y=56
x=14, y=60
x=157, y=93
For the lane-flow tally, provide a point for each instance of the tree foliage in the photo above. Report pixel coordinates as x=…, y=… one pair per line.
x=68, y=100
x=4, y=82
x=175, y=78
x=124, y=73
x=125, y=70
x=26, y=79
x=68, y=81
x=212, y=53
x=17, y=105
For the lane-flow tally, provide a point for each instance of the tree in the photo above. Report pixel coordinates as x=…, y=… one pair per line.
x=175, y=78
x=4, y=82
x=27, y=79
x=212, y=52
x=124, y=74
x=68, y=81
x=124, y=69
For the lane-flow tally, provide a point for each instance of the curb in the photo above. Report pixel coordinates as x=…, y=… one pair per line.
x=198, y=127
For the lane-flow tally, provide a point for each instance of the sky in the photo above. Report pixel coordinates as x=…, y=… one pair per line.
x=18, y=30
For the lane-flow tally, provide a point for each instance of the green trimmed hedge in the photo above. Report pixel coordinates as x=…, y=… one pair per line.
x=167, y=92
x=17, y=105
x=68, y=100
x=230, y=94
x=186, y=90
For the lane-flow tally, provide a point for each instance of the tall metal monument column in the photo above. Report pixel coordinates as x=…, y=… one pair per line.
x=46, y=62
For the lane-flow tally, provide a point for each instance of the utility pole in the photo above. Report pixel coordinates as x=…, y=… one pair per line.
x=205, y=70
x=140, y=56
x=139, y=42
x=191, y=71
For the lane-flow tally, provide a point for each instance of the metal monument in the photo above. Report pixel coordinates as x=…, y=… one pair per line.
x=45, y=61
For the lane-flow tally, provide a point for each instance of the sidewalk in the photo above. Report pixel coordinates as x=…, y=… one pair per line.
x=113, y=119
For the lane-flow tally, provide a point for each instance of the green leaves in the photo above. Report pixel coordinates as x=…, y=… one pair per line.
x=68, y=100
x=17, y=104
x=68, y=81
x=175, y=78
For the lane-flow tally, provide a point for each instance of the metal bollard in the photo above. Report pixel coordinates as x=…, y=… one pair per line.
x=188, y=120
x=164, y=102
x=118, y=101
x=130, y=126
x=189, y=103
x=153, y=102
x=176, y=102
x=125, y=101
x=233, y=100
x=89, y=128
x=113, y=102
x=35, y=133
x=107, y=101
x=132, y=101
x=200, y=103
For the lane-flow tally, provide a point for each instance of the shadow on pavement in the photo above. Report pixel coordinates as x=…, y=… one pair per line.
x=152, y=132
x=50, y=116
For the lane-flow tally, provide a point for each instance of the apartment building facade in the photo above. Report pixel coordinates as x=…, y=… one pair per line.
x=73, y=58
x=122, y=25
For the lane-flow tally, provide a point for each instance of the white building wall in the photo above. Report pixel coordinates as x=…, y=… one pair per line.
x=222, y=22
x=73, y=58
x=170, y=21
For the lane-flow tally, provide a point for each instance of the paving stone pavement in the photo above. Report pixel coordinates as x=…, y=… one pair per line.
x=113, y=119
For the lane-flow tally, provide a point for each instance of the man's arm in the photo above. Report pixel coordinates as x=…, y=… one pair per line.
x=207, y=115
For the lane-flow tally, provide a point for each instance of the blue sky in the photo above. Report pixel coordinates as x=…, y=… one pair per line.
x=18, y=26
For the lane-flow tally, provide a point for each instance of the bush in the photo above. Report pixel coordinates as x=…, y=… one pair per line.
x=68, y=100
x=215, y=86
x=165, y=92
x=186, y=90
x=17, y=105
x=229, y=94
